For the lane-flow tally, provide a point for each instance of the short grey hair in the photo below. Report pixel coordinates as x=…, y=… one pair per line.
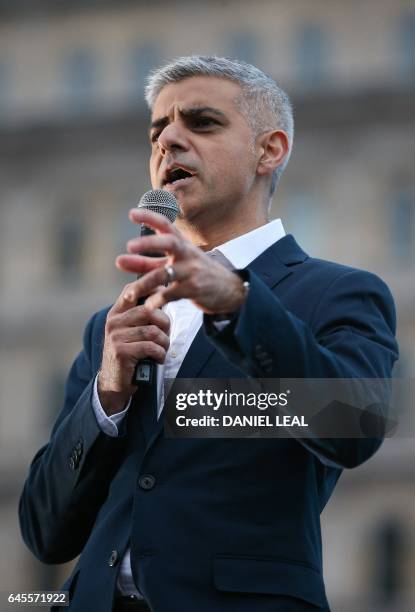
x=264, y=104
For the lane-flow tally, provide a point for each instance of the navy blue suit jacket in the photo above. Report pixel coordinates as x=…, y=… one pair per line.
x=230, y=524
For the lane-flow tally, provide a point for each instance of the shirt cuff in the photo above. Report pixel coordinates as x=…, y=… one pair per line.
x=219, y=322
x=108, y=424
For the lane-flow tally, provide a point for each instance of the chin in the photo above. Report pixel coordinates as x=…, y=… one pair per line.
x=188, y=212
x=187, y=203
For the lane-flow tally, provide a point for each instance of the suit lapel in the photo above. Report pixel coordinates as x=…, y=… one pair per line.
x=146, y=398
x=272, y=266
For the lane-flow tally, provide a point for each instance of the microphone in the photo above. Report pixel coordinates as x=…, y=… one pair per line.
x=164, y=203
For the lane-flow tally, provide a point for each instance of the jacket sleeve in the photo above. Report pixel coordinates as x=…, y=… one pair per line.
x=69, y=476
x=351, y=334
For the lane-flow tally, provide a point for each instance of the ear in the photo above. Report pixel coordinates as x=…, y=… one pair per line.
x=273, y=148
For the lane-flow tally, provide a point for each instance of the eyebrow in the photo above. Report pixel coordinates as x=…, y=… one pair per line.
x=189, y=112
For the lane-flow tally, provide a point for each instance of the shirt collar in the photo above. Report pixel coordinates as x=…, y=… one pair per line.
x=241, y=251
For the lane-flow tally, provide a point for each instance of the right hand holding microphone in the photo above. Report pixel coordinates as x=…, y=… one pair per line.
x=132, y=333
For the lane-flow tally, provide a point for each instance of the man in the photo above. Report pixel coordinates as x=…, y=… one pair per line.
x=206, y=524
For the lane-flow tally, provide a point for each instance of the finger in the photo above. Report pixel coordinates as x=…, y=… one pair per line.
x=154, y=220
x=149, y=333
x=161, y=319
x=167, y=243
x=152, y=281
x=139, y=288
x=146, y=349
x=148, y=283
x=139, y=316
x=157, y=300
x=175, y=291
x=143, y=286
x=146, y=264
x=127, y=300
x=183, y=286
x=132, y=292
x=133, y=317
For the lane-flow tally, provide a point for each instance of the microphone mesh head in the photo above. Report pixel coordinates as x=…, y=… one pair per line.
x=160, y=201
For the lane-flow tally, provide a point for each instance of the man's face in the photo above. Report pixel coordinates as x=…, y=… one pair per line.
x=202, y=147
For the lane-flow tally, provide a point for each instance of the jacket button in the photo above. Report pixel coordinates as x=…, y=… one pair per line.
x=146, y=482
x=72, y=463
x=113, y=558
x=77, y=454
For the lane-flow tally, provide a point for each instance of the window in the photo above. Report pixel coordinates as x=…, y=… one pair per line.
x=402, y=219
x=80, y=77
x=389, y=555
x=312, y=53
x=142, y=59
x=70, y=248
x=4, y=85
x=302, y=217
x=407, y=42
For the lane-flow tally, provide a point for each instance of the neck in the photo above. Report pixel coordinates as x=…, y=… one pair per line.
x=210, y=233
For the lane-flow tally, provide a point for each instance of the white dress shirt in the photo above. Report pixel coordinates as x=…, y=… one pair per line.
x=185, y=319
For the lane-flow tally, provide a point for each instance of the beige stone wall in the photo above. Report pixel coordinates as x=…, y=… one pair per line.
x=362, y=44
x=352, y=153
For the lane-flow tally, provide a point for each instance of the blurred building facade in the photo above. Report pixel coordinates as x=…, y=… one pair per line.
x=74, y=151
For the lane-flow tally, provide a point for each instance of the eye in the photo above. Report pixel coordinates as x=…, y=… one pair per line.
x=201, y=122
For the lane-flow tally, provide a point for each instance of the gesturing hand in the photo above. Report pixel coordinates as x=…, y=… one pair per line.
x=211, y=286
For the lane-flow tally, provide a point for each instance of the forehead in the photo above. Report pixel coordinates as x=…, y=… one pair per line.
x=197, y=91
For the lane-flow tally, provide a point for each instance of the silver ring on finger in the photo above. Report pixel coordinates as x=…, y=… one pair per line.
x=171, y=275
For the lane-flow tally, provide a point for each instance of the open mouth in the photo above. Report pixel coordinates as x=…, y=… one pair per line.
x=177, y=176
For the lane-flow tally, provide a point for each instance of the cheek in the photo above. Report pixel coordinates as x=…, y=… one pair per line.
x=223, y=164
x=153, y=167
x=235, y=170
x=238, y=157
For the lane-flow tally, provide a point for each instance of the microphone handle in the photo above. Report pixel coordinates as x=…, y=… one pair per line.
x=145, y=370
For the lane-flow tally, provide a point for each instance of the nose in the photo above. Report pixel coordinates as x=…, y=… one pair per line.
x=172, y=138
